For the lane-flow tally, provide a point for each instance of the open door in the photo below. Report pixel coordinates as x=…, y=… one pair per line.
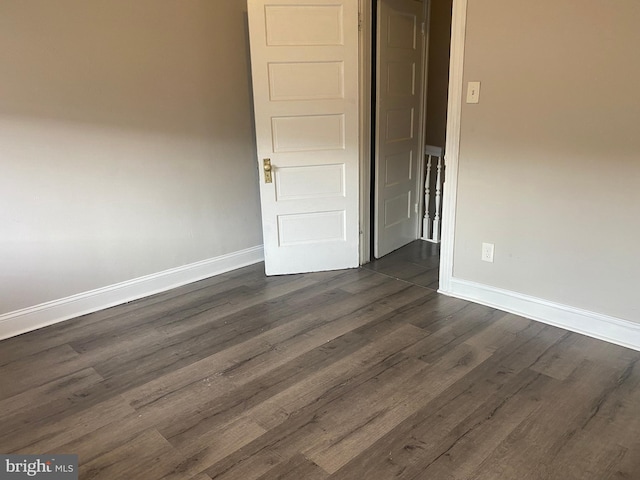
x=304, y=61
x=399, y=123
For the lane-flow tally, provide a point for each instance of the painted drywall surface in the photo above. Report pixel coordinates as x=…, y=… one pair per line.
x=126, y=142
x=438, y=71
x=550, y=157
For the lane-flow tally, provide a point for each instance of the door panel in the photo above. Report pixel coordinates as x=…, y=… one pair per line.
x=296, y=24
x=304, y=61
x=319, y=181
x=399, y=104
x=306, y=81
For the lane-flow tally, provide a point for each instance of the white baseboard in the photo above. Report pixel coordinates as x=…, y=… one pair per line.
x=38, y=316
x=603, y=327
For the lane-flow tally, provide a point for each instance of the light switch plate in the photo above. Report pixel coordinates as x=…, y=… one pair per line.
x=473, y=92
x=487, y=252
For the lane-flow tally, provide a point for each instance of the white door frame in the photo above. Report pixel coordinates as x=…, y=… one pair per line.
x=452, y=143
x=452, y=148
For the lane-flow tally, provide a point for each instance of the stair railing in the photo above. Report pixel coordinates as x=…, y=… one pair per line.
x=433, y=158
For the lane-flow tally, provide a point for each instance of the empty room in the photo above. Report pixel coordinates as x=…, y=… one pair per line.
x=319, y=239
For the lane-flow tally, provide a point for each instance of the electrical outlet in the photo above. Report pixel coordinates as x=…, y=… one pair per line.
x=487, y=252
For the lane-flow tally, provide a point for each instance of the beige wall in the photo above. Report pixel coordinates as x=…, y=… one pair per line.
x=550, y=158
x=126, y=144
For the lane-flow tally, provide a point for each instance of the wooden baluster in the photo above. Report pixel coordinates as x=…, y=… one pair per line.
x=436, y=217
x=431, y=227
x=426, y=220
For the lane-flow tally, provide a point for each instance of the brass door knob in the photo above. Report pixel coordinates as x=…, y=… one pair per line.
x=266, y=165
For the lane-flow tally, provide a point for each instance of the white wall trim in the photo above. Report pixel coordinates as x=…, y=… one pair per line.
x=603, y=327
x=452, y=146
x=38, y=316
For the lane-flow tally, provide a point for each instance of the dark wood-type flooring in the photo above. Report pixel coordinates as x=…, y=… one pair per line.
x=418, y=262
x=347, y=375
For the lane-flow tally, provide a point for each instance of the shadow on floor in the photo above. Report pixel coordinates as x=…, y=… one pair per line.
x=417, y=262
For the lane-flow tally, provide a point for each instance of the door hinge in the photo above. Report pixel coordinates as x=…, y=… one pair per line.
x=359, y=21
x=423, y=28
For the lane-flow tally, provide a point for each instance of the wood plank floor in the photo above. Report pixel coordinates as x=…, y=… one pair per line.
x=417, y=262
x=339, y=375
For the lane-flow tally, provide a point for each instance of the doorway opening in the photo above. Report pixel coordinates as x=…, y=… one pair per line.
x=416, y=251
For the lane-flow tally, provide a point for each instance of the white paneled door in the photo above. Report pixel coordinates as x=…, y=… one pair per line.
x=304, y=61
x=399, y=106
